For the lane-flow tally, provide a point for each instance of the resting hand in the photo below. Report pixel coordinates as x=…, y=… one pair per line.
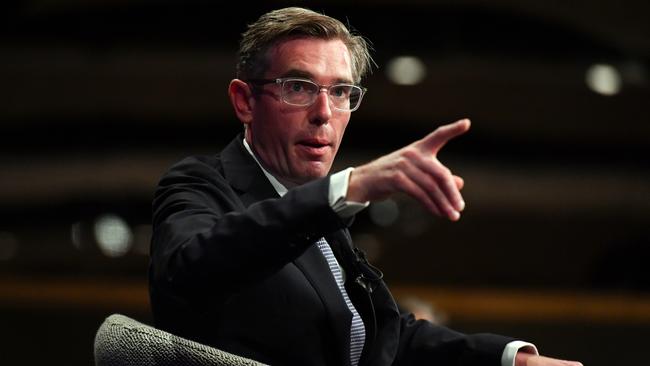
x=416, y=171
x=528, y=359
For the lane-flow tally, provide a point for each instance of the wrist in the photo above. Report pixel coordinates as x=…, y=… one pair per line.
x=356, y=190
x=521, y=358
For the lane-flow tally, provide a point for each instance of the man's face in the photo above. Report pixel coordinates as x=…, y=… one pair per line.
x=298, y=144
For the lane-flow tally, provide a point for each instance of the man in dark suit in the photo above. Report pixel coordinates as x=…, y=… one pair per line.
x=251, y=251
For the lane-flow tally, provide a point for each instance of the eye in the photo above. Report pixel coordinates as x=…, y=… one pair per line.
x=295, y=86
x=340, y=91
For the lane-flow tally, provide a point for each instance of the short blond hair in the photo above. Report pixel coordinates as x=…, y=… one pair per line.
x=280, y=24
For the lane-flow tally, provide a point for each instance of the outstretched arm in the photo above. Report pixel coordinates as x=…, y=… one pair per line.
x=416, y=171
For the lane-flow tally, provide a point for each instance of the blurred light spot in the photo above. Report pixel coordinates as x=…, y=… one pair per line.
x=406, y=70
x=384, y=213
x=8, y=246
x=369, y=244
x=113, y=235
x=604, y=79
x=75, y=235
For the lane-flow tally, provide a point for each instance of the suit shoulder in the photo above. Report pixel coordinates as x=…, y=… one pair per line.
x=196, y=165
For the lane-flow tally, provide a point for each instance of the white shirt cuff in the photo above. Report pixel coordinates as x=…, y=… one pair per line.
x=339, y=190
x=509, y=353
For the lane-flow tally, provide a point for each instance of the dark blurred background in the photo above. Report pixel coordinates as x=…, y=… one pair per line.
x=98, y=98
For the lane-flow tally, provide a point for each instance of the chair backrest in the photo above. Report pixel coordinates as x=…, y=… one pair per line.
x=123, y=341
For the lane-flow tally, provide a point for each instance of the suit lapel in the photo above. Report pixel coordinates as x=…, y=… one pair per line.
x=244, y=175
x=315, y=268
x=341, y=243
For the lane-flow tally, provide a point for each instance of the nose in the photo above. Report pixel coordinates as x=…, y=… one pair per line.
x=321, y=110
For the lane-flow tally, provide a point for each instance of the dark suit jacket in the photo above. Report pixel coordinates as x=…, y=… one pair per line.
x=235, y=266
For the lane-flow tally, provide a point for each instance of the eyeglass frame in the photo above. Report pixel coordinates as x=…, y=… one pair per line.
x=281, y=81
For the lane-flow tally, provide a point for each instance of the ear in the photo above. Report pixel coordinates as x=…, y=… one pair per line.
x=241, y=97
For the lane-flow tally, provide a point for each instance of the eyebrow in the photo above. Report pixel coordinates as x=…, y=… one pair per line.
x=307, y=75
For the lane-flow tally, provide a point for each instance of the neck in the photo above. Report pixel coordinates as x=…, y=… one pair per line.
x=284, y=181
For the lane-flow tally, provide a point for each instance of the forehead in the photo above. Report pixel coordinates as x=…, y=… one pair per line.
x=320, y=59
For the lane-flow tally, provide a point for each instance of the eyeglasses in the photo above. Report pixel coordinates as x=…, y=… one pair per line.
x=303, y=92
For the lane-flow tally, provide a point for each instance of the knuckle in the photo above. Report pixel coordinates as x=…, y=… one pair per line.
x=401, y=163
x=410, y=153
x=399, y=177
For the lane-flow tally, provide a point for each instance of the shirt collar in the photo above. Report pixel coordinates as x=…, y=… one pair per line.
x=279, y=187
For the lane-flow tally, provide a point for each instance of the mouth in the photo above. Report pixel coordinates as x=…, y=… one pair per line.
x=314, y=147
x=315, y=143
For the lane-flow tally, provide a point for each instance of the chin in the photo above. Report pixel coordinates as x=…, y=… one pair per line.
x=313, y=174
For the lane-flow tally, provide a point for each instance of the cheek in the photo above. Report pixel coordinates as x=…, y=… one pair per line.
x=275, y=131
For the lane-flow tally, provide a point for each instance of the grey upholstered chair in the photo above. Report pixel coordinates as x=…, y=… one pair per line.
x=122, y=341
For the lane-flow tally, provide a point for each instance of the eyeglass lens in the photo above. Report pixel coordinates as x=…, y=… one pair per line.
x=303, y=92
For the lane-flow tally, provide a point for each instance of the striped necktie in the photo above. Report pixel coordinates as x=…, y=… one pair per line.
x=357, y=329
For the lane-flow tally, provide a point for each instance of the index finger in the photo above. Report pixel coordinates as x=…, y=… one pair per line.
x=438, y=138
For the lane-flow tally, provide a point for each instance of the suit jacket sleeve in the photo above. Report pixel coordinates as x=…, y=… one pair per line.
x=424, y=343
x=206, y=235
